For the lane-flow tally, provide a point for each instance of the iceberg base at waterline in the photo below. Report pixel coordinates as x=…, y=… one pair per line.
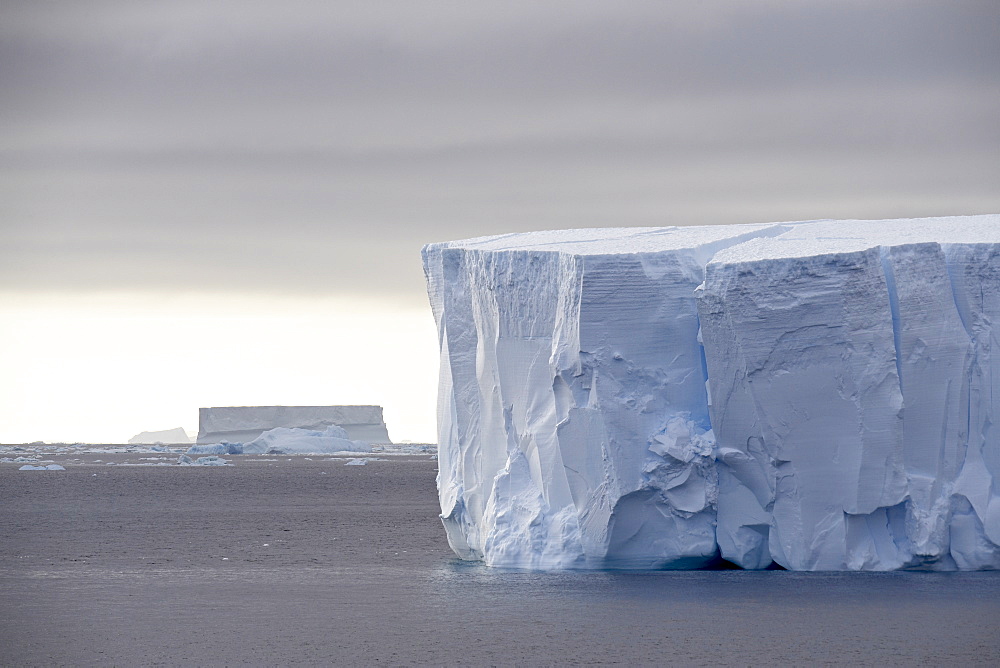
x=287, y=441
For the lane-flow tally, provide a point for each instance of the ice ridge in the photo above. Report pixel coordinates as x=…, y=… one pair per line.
x=817, y=395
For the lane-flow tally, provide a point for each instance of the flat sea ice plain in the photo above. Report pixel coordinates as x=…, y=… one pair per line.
x=127, y=559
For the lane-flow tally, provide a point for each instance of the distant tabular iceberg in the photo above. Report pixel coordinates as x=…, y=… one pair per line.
x=176, y=435
x=241, y=424
x=819, y=395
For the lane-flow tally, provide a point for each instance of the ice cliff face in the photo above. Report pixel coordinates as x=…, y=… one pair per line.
x=849, y=368
x=852, y=387
x=574, y=421
x=287, y=441
x=241, y=424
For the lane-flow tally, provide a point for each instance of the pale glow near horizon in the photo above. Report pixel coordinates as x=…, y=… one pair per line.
x=102, y=368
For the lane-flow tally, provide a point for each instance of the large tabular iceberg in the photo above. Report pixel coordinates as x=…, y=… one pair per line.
x=816, y=394
x=240, y=424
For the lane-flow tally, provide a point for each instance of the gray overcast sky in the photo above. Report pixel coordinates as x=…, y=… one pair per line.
x=313, y=147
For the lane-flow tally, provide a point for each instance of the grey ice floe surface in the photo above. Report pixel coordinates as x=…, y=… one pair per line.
x=203, y=461
x=42, y=449
x=819, y=394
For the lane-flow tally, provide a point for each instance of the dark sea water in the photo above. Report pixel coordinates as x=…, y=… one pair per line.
x=312, y=562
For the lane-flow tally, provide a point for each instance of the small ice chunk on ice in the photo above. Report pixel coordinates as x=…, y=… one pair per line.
x=212, y=460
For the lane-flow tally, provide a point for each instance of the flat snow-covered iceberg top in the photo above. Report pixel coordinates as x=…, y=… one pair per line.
x=817, y=394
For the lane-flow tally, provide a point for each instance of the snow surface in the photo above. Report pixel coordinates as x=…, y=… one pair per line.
x=287, y=441
x=849, y=368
